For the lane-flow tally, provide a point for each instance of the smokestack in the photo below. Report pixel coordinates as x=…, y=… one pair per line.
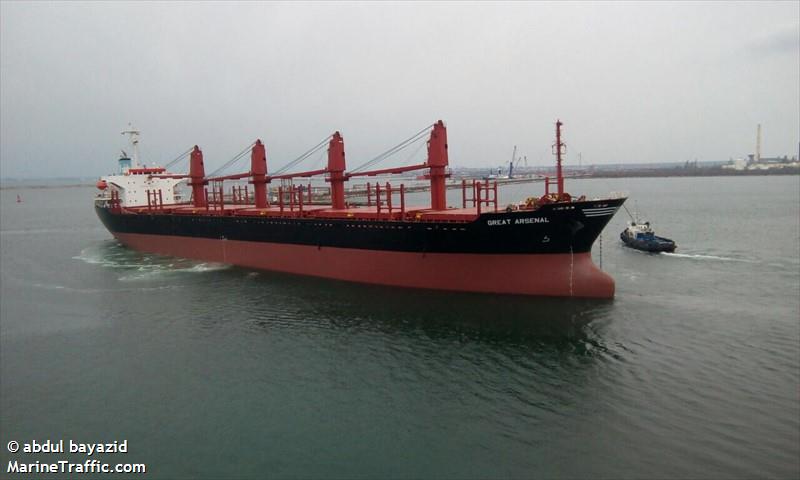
x=758, y=144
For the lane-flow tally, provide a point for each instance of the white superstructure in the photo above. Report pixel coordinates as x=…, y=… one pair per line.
x=137, y=185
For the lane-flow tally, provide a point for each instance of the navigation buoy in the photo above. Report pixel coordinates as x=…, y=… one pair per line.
x=19, y=199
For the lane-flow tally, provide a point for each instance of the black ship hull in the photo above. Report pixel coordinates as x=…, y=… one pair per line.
x=553, y=228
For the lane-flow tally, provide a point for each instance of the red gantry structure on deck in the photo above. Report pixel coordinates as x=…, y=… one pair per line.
x=438, y=161
x=258, y=167
x=197, y=181
x=336, y=168
x=298, y=200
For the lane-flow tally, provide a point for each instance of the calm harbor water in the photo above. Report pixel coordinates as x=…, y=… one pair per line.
x=208, y=371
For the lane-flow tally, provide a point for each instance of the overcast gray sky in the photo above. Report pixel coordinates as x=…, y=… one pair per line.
x=633, y=82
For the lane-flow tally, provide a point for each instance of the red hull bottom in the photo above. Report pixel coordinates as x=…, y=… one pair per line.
x=561, y=275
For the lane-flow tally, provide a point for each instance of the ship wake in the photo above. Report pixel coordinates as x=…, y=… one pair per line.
x=708, y=257
x=137, y=266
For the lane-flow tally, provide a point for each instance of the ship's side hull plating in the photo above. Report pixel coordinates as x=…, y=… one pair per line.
x=554, y=274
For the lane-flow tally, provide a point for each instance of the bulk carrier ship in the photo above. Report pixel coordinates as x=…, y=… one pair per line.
x=539, y=247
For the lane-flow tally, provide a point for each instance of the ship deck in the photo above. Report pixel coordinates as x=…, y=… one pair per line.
x=364, y=213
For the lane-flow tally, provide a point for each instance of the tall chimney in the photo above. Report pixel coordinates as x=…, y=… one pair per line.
x=758, y=144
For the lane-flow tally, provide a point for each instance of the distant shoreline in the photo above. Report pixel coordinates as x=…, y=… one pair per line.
x=690, y=172
x=42, y=186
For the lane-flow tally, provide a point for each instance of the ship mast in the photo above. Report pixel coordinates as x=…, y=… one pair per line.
x=133, y=138
x=559, y=149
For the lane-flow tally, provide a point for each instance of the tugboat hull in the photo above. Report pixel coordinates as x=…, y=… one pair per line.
x=655, y=245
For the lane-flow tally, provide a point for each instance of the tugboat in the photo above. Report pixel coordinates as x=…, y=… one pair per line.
x=641, y=237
